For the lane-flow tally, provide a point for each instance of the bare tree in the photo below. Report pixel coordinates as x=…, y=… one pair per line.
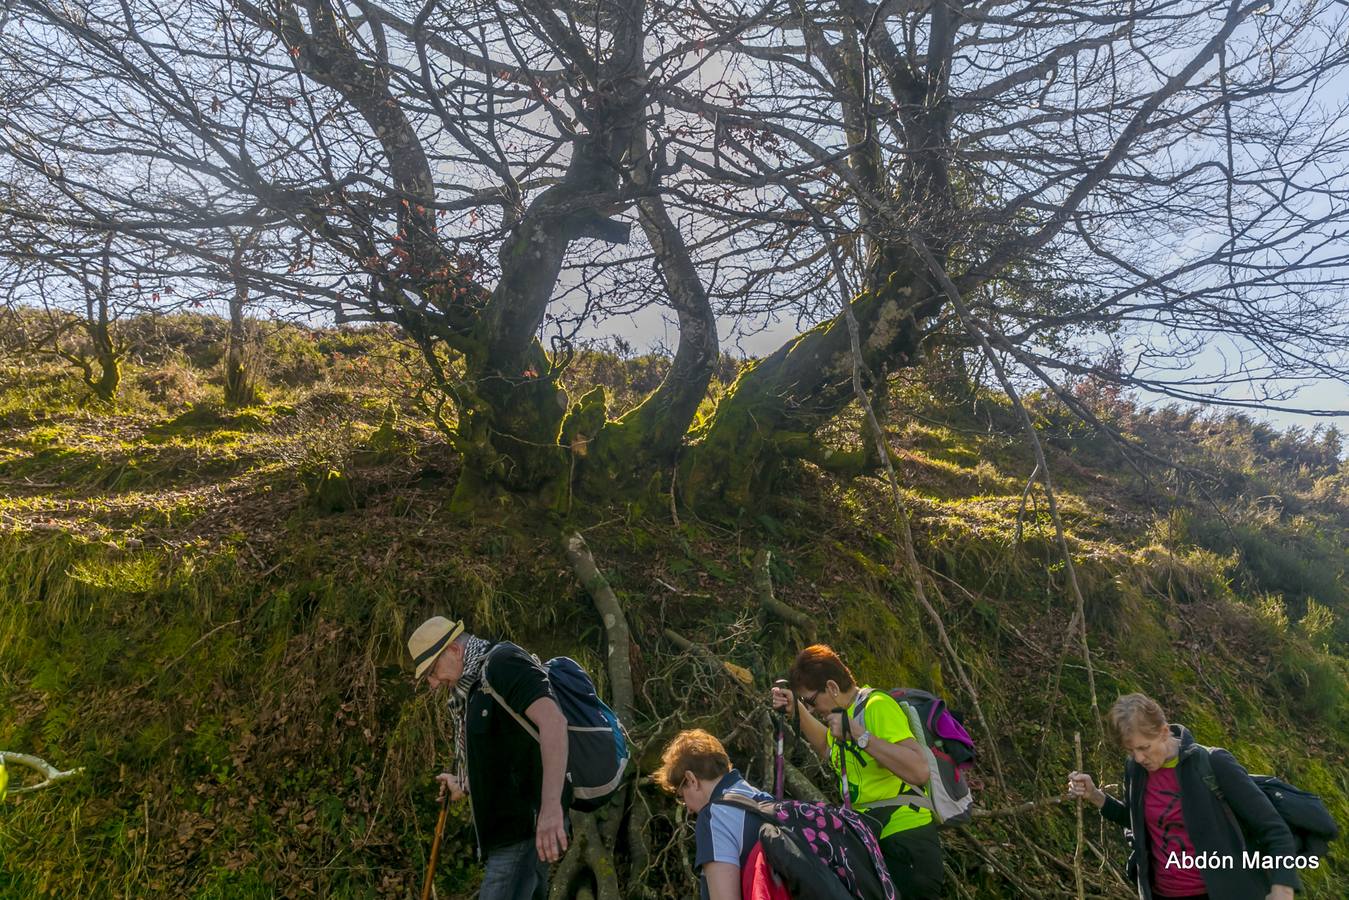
x=76, y=299
x=1110, y=195
x=1116, y=197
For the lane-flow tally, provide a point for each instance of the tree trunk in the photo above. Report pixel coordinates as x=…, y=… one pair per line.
x=110, y=375
x=772, y=411
x=512, y=427
x=238, y=386
x=98, y=328
x=647, y=440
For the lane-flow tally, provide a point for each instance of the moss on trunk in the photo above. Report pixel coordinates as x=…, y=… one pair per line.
x=776, y=405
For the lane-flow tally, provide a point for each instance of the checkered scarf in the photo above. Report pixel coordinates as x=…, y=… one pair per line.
x=475, y=656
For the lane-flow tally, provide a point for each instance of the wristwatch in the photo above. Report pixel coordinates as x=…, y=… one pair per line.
x=863, y=740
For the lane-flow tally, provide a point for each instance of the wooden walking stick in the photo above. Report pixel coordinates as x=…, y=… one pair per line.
x=1077, y=852
x=435, y=846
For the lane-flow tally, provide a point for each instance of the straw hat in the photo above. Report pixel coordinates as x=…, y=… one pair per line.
x=430, y=638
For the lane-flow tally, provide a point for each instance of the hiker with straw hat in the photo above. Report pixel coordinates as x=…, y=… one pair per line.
x=515, y=784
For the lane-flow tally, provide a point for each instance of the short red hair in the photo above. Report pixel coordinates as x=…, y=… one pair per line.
x=694, y=751
x=816, y=665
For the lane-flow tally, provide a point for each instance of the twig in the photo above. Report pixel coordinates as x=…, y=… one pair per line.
x=740, y=674
x=1028, y=806
x=1078, y=625
x=1023, y=889
x=50, y=774
x=674, y=509
x=1025, y=495
x=901, y=509
x=182, y=656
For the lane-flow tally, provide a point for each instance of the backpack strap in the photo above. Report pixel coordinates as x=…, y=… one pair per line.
x=1201, y=761
x=915, y=796
x=745, y=804
x=915, y=800
x=487, y=689
x=1204, y=763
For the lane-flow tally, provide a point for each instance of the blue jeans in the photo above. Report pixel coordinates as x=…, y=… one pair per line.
x=514, y=872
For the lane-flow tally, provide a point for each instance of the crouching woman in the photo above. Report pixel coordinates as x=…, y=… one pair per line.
x=1190, y=810
x=697, y=771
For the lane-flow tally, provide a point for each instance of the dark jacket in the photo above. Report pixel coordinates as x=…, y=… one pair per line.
x=505, y=768
x=1212, y=829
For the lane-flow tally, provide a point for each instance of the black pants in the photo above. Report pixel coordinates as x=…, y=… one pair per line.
x=914, y=860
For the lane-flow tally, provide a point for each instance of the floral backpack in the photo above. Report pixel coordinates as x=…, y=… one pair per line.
x=816, y=851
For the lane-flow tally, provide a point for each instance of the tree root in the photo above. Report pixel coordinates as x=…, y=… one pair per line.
x=593, y=847
x=639, y=851
x=800, y=786
x=615, y=623
x=763, y=583
x=588, y=852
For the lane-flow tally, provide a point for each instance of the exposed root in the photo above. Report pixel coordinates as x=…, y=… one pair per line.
x=593, y=846
x=615, y=623
x=763, y=583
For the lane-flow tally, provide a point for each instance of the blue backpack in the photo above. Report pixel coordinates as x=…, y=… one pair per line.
x=597, y=748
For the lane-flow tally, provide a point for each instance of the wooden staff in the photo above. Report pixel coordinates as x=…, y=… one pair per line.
x=1077, y=851
x=435, y=846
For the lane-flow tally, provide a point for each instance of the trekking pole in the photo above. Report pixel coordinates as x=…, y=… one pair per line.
x=779, y=761
x=435, y=846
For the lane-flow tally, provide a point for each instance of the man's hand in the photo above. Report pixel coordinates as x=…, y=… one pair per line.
x=454, y=784
x=1280, y=892
x=551, y=837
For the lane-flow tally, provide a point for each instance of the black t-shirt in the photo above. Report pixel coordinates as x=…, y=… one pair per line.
x=505, y=770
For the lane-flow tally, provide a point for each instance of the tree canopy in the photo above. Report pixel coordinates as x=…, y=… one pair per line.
x=1150, y=194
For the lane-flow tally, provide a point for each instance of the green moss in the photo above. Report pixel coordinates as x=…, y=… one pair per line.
x=883, y=648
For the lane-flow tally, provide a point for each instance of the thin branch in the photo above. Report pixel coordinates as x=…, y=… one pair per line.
x=50, y=774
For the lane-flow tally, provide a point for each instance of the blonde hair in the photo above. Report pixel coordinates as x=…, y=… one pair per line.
x=694, y=751
x=1136, y=714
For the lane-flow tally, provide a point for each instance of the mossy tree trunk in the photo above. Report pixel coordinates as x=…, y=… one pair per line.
x=101, y=369
x=238, y=383
x=645, y=442
x=772, y=412
x=510, y=405
x=515, y=425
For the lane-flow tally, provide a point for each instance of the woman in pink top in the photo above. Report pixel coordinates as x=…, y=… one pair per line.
x=1188, y=842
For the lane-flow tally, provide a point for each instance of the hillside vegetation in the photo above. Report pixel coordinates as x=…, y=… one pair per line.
x=205, y=608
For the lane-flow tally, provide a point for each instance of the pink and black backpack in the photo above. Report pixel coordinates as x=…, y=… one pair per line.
x=811, y=851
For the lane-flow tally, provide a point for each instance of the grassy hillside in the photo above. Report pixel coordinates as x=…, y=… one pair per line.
x=206, y=608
